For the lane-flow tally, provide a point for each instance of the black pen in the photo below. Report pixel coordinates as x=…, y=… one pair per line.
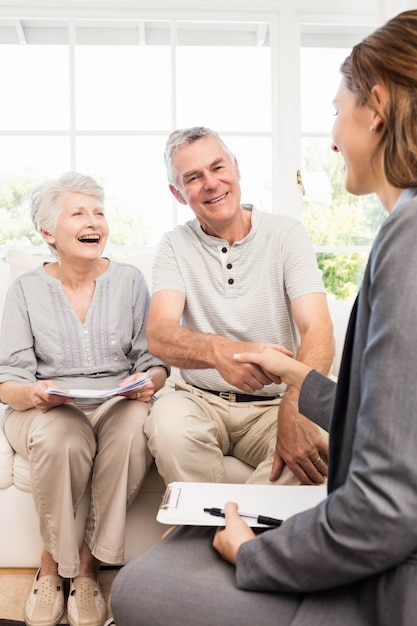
x=261, y=519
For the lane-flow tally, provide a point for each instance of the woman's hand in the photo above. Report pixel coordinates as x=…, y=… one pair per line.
x=44, y=401
x=228, y=540
x=274, y=361
x=143, y=393
x=156, y=379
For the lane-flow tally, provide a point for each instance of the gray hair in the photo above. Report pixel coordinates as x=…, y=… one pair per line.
x=184, y=136
x=45, y=208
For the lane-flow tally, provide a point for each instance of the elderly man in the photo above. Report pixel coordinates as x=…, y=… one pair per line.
x=233, y=280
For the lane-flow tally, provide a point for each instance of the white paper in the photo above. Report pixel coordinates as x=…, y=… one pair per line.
x=100, y=393
x=184, y=502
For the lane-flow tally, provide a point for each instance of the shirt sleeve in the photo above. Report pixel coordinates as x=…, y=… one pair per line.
x=17, y=353
x=139, y=355
x=302, y=275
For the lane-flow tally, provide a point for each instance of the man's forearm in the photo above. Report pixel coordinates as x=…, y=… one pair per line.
x=181, y=347
x=317, y=350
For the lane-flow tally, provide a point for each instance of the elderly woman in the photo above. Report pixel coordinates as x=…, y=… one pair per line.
x=77, y=323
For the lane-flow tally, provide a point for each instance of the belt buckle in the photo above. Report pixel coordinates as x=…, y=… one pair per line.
x=227, y=395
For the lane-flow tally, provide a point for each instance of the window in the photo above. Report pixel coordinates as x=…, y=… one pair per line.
x=101, y=96
x=341, y=226
x=99, y=90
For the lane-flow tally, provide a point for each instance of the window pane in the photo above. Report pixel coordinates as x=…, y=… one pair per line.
x=122, y=87
x=25, y=162
x=132, y=173
x=320, y=78
x=254, y=158
x=342, y=273
x=332, y=216
x=42, y=155
x=224, y=87
x=35, y=87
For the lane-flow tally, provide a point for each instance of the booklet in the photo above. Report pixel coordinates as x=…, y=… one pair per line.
x=100, y=393
x=184, y=502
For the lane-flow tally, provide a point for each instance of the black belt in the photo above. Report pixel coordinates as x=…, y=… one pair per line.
x=231, y=396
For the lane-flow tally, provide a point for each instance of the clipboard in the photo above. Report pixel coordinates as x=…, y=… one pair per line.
x=183, y=503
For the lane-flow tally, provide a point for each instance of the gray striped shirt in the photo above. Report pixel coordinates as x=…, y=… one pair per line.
x=244, y=291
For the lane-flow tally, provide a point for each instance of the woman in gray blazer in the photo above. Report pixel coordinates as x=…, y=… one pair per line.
x=351, y=560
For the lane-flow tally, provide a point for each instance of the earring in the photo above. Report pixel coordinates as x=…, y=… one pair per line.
x=372, y=129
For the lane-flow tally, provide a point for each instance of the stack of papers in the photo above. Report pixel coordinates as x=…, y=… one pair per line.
x=100, y=393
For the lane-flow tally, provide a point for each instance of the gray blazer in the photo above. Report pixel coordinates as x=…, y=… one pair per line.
x=355, y=555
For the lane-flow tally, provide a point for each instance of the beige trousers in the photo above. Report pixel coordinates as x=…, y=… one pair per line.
x=70, y=452
x=190, y=431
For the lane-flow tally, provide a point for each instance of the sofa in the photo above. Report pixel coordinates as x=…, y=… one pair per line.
x=19, y=535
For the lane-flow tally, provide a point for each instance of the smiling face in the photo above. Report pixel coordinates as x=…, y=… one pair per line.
x=81, y=229
x=355, y=136
x=208, y=181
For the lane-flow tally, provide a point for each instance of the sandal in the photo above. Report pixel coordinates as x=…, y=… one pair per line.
x=45, y=603
x=86, y=605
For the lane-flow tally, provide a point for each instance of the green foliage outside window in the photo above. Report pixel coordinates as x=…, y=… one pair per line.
x=342, y=273
x=338, y=219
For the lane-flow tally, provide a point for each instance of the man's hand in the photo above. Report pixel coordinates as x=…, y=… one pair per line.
x=300, y=445
x=247, y=376
x=228, y=540
x=275, y=361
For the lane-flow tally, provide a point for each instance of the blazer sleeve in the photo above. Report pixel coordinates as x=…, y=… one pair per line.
x=317, y=398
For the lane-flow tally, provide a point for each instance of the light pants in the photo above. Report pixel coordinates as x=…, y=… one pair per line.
x=189, y=431
x=69, y=452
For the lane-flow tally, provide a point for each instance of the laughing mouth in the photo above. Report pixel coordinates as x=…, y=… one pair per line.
x=89, y=239
x=217, y=199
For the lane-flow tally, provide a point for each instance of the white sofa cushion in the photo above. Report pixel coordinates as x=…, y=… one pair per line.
x=6, y=461
x=23, y=261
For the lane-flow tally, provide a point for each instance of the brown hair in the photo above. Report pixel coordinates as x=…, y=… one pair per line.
x=389, y=57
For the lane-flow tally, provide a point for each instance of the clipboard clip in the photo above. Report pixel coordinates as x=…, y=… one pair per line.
x=170, y=497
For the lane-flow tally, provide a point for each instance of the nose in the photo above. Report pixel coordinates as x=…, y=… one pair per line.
x=91, y=220
x=210, y=180
x=335, y=148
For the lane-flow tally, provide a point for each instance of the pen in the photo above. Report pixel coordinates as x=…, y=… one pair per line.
x=261, y=519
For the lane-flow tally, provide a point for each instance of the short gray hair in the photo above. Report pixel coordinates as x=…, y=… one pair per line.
x=184, y=136
x=45, y=198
